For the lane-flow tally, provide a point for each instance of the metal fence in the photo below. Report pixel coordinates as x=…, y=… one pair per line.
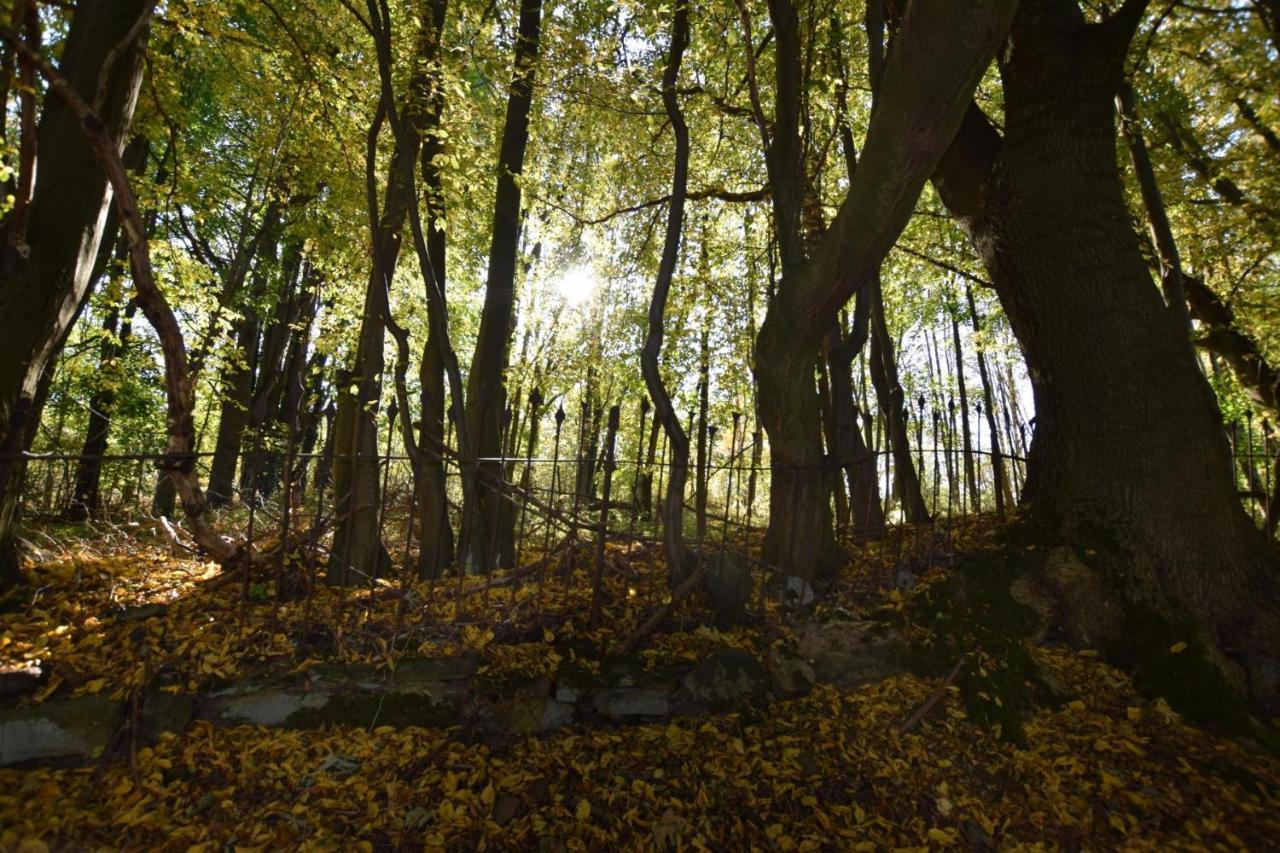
x=589, y=478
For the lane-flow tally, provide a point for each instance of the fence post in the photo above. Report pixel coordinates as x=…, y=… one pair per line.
x=937, y=470
x=635, y=477
x=602, y=531
x=555, y=481
x=526, y=479
x=920, y=436
x=728, y=489
x=977, y=460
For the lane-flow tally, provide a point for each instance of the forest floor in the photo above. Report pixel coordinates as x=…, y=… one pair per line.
x=834, y=769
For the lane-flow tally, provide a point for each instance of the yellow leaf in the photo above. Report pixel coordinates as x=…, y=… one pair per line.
x=942, y=836
x=1177, y=648
x=584, y=810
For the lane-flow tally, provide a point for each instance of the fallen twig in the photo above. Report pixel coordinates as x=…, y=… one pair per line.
x=914, y=720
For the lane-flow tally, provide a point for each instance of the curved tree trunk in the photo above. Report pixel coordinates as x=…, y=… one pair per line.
x=678, y=568
x=920, y=106
x=1128, y=455
x=41, y=293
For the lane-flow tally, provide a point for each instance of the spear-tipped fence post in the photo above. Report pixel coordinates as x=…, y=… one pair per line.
x=551, y=509
x=635, y=477
x=526, y=479
x=937, y=470
x=728, y=489
x=704, y=491
x=393, y=411
x=602, y=530
x=956, y=461
x=920, y=435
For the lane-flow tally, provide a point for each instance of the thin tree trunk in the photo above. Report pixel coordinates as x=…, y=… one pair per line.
x=1158, y=220
x=1003, y=494
x=435, y=550
x=86, y=502
x=970, y=470
x=701, y=470
x=884, y=376
x=486, y=395
x=678, y=564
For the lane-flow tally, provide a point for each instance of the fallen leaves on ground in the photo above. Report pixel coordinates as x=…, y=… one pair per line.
x=1107, y=770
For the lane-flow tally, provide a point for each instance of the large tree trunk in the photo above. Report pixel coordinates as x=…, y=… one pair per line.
x=1129, y=456
x=486, y=393
x=921, y=104
x=42, y=292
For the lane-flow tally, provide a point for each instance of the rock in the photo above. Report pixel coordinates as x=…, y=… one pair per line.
x=1067, y=601
x=138, y=614
x=22, y=679
x=259, y=703
x=796, y=592
x=165, y=712
x=335, y=694
x=631, y=703
x=623, y=670
x=523, y=707
x=728, y=579
x=789, y=674
x=574, y=681
x=848, y=653
x=68, y=730
x=905, y=580
x=726, y=680
x=557, y=715
x=506, y=809
x=420, y=669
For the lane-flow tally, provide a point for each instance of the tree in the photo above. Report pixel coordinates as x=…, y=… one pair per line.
x=920, y=107
x=52, y=241
x=490, y=516
x=673, y=549
x=1126, y=428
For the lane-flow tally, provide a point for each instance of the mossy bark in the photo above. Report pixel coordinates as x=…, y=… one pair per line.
x=1129, y=450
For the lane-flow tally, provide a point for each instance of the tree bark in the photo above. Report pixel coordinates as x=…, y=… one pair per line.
x=41, y=293
x=1128, y=456
x=486, y=396
x=678, y=564
x=239, y=374
x=892, y=399
x=86, y=502
x=920, y=107
x=999, y=476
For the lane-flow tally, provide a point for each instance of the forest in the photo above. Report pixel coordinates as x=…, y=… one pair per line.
x=619, y=425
